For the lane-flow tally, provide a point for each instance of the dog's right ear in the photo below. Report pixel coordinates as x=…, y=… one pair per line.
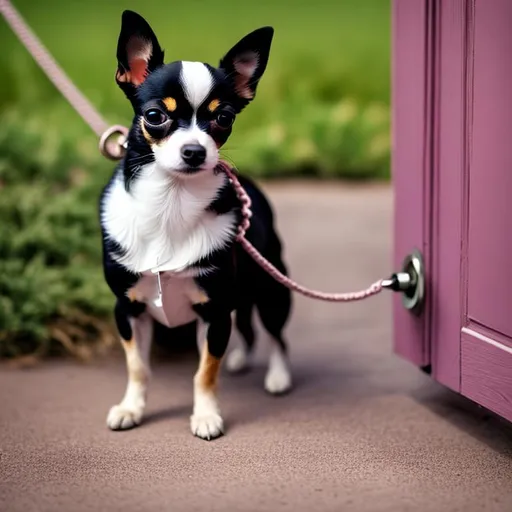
x=138, y=53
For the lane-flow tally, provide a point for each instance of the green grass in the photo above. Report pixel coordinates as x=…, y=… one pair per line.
x=322, y=110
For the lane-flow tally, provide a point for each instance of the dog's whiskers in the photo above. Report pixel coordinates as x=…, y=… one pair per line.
x=142, y=159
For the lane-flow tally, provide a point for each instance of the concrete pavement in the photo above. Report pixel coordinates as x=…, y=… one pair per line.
x=362, y=431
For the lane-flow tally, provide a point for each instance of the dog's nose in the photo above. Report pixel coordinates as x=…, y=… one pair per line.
x=193, y=154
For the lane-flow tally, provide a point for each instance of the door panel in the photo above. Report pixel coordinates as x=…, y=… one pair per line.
x=486, y=343
x=471, y=275
x=452, y=165
x=490, y=189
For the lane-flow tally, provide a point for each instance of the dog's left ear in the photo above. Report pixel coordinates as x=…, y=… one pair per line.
x=138, y=53
x=245, y=63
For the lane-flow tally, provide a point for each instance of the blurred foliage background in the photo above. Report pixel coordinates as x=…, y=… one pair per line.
x=322, y=111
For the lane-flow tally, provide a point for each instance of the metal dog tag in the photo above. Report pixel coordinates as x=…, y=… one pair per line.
x=158, y=301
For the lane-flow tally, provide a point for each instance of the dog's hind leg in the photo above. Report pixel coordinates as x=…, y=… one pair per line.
x=239, y=358
x=128, y=413
x=274, y=304
x=274, y=313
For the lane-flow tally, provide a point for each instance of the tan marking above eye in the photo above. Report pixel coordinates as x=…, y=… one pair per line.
x=214, y=104
x=170, y=103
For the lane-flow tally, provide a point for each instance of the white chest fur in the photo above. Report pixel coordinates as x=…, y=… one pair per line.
x=178, y=293
x=162, y=223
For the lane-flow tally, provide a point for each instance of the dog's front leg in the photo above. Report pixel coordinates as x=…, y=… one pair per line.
x=128, y=413
x=206, y=421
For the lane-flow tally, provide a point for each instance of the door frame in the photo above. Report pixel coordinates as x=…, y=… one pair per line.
x=453, y=93
x=413, y=61
x=432, y=82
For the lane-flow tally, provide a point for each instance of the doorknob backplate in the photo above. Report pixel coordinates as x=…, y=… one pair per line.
x=410, y=281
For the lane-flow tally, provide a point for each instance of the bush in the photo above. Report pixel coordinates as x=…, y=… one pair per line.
x=52, y=291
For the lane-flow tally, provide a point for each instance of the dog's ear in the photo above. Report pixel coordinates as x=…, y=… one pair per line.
x=138, y=53
x=245, y=63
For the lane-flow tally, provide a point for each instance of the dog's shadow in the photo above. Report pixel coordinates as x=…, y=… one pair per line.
x=166, y=414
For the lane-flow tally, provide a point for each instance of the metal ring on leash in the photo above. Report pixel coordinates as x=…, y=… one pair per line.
x=111, y=147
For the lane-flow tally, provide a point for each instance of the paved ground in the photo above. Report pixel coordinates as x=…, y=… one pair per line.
x=363, y=431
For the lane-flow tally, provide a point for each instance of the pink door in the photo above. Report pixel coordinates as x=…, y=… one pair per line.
x=452, y=169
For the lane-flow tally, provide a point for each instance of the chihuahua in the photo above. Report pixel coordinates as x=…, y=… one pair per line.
x=169, y=219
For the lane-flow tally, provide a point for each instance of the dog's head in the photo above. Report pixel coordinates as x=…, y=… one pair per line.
x=184, y=111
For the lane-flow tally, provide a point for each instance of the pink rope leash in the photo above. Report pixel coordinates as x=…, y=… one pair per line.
x=373, y=289
x=110, y=146
x=53, y=71
x=113, y=148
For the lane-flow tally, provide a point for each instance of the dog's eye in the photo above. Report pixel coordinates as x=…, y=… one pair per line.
x=155, y=117
x=225, y=119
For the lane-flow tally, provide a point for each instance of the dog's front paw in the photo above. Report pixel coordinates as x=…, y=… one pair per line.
x=207, y=426
x=122, y=418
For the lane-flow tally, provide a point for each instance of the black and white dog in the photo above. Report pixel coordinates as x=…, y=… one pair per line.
x=169, y=220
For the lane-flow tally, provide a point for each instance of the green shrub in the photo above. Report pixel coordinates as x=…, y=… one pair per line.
x=51, y=283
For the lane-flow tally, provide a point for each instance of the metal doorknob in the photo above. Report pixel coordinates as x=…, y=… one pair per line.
x=410, y=281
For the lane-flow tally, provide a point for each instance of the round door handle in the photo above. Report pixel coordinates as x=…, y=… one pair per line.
x=410, y=282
